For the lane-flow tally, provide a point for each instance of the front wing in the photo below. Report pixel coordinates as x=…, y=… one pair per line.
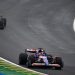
x=43, y=64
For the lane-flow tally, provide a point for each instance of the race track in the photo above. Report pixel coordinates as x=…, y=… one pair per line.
x=39, y=23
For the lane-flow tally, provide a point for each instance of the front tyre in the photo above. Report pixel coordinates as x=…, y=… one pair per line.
x=23, y=58
x=58, y=60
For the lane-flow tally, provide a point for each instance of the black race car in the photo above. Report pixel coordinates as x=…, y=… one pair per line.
x=29, y=59
x=2, y=22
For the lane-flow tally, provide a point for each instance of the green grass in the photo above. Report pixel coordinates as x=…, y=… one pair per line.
x=10, y=69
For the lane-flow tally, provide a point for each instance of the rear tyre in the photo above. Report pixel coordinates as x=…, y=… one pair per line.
x=23, y=58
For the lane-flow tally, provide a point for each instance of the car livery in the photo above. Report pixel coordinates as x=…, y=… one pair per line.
x=47, y=60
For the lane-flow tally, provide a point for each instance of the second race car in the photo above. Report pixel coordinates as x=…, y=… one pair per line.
x=2, y=22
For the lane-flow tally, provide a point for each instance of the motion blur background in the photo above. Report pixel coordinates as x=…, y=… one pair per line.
x=38, y=23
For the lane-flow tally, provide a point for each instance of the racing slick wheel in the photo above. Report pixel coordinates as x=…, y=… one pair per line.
x=2, y=22
x=58, y=60
x=23, y=58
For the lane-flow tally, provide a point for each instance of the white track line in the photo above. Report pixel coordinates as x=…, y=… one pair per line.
x=22, y=67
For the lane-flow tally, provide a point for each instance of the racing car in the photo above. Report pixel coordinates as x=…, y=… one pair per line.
x=2, y=22
x=47, y=60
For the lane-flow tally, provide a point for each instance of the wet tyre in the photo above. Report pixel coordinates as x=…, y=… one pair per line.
x=4, y=22
x=58, y=60
x=23, y=58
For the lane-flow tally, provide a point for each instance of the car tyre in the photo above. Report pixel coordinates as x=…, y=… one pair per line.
x=23, y=58
x=58, y=60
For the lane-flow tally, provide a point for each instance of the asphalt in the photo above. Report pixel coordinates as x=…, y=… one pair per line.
x=39, y=23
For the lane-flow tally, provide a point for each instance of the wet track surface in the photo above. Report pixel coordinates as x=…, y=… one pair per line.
x=39, y=23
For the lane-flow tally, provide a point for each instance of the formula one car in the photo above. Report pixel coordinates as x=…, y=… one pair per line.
x=31, y=58
x=2, y=22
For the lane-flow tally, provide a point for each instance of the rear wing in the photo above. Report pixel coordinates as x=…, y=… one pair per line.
x=30, y=50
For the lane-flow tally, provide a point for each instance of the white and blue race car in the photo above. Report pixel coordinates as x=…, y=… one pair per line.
x=38, y=57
